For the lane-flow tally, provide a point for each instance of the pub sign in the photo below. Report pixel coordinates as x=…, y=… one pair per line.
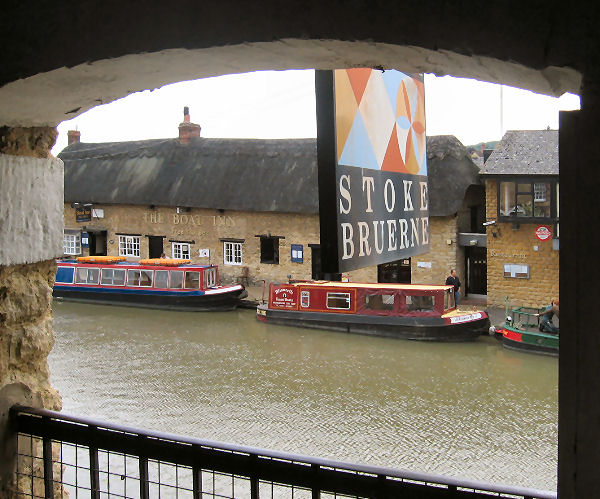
x=372, y=166
x=83, y=213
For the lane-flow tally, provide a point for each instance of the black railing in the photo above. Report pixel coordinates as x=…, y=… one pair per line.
x=66, y=455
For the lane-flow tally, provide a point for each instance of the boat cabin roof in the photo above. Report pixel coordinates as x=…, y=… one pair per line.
x=384, y=285
x=185, y=266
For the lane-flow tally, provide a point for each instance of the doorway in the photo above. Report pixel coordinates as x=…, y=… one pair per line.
x=155, y=246
x=476, y=267
x=97, y=243
x=394, y=272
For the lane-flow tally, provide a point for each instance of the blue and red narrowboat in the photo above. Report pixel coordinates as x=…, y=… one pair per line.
x=406, y=311
x=154, y=283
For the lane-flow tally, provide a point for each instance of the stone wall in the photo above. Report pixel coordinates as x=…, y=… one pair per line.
x=444, y=254
x=510, y=245
x=31, y=192
x=206, y=228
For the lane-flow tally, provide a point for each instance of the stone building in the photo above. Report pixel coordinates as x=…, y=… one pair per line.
x=248, y=205
x=522, y=210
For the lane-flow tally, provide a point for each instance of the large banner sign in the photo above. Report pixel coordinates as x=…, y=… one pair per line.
x=372, y=159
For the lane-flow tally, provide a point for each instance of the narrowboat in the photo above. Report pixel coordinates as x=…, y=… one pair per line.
x=405, y=311
x=154, y=283
x=521, y=332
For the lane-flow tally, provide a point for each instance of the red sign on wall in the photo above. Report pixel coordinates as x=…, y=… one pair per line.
x=284, y=297
x=543, y=232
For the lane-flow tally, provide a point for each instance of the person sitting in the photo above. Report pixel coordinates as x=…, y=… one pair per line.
x=546, y=324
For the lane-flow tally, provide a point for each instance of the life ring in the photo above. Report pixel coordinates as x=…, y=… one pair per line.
x=168, y=262
x=100, y=259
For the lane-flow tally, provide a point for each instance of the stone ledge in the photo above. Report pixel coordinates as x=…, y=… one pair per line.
x=31, y=209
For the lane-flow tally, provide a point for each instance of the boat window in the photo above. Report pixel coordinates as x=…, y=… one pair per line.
x=448, y=299
x=210, y=278
x=175, y=279
x=161, y=279
x=113, y=277
x=420, y=303
x=379, y=302
x=340, y=301
x=192, y=280
x=304, y=299
x=65, y=275
x=86, y=275
x=139, y=277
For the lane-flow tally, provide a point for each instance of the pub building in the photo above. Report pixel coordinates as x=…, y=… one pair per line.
x=522, y=212
x=247, y=205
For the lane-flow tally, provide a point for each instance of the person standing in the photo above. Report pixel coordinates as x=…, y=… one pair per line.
x=454, y=281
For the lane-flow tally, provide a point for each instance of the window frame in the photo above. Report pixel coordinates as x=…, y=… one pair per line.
x=76, y=243
x=336, y=295
x=532, y=181
x=177, y=250
x=129, y=245
x=231, y=256
x=273, y=244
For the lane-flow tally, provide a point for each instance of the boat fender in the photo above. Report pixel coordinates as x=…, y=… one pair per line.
x=492, y=330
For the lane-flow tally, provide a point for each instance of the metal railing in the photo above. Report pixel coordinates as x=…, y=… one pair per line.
x=62, y=455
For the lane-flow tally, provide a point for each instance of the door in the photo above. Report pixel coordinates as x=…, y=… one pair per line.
x=476, y=266
x=155, y=246
x=394, y=272
x=317, y=272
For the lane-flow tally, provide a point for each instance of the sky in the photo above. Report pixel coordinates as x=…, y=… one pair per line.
x=281, y=104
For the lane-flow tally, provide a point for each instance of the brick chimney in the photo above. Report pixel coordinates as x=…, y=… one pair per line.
x=73, y=136
x=187, y=130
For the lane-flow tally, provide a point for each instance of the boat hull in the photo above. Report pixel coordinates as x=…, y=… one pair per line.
x=530, y=341
x=407, y=328
x=222, y=301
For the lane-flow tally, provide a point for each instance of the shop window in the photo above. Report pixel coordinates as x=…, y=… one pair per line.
x=523, y=199
x=180, y=250
x=269, y=249
x=192, y=280
x=72, y=244
x=420, y=303
x=87, y=276
x=379, y=302
x=175, y=279
x=232, y=253
x=129, y=245
x=142, y=278
x=339, y=301
x=113, y=277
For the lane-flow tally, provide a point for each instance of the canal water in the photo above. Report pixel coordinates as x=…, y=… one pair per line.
x=472, y=410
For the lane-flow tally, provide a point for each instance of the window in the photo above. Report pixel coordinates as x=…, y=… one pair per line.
x=424, y=303
x=175, y=279
x=304, y=299
x=180, y=250
x=87, y=276
x=449, y=299
x=113, y=277
x=72, y=244
x=379, y=302
x=142, y=278
x=210, y=278
x=161, y=279
x=232, y=253
x=525, y=199
x=129, y=245
x=339, y=301
x=192, y=280
x=269, y=249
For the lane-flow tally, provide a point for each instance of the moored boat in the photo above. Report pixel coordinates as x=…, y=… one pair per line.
x=521, y=332
x=154, y=283
x=405, y=311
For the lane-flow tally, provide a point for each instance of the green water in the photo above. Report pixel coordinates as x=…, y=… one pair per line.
x=472, y=410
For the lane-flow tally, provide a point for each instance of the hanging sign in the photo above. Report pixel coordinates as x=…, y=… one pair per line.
x=543, y=232
x=372, y=164
x=83, y=214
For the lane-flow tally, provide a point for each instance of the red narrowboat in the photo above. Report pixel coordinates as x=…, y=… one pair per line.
x=153, y=283
x=406, y=311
